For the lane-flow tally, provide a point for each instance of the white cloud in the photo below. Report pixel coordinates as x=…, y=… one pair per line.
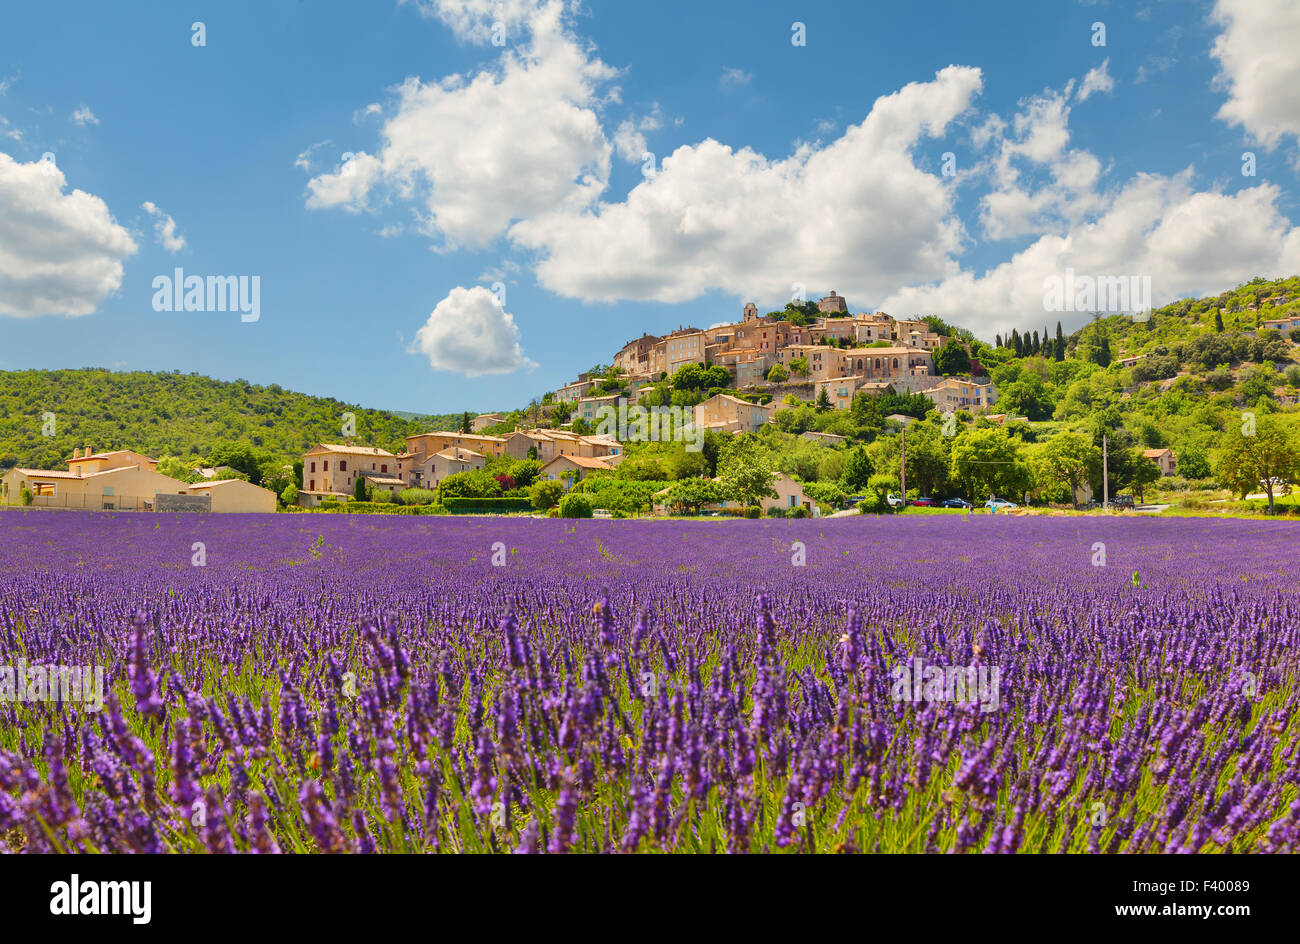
x=60, y=253
x=1259, y=66
x=164, y=228
x=735, y=77
x=629, y=142
x=1097, y=80
x=857, y=215
x=473, y=20
x=84, y=116
x=304, y=159
x=481, y=151
x=1040, y=184
x=469, y=333
x=1188, y=242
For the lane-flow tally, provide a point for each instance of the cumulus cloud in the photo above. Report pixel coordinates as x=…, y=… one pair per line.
x=60, y=253
x=1097, y=80
x=1038, y=182
x=473, y=20
x=164, y=228
x=1259, y=68
x=857, y=214
x=481, y=151
x=469, y=333
x=1187, y=242
x=84, y=116
x=629, y=139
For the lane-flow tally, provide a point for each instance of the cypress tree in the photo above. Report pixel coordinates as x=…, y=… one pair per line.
x=1060, y=343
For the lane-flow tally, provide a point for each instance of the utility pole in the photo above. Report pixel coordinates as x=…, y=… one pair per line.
x=902, y=472
x=1105, y=475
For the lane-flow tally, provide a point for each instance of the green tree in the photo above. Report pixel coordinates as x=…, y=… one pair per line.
x=466, y=423
x=1143, y=474
x=289, y=496
x=823, y=401
x=1248, y=462
x=690, y=495
x=1067, y=458
x=777, y=374
x=175, y=468
x=546, y=495
x=745, y=472
x=986, y=462
x=361, y=489
x=857, y=470
x=575, y=505
x=927, y=458
x=1194, y=464
x=952, y=358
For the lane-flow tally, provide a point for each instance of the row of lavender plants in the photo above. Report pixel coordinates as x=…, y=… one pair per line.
x=285, y=684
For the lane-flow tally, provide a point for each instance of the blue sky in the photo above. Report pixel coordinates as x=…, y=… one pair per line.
x=775, y=166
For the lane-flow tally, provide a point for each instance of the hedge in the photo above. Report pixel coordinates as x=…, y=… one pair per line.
x=487, y=506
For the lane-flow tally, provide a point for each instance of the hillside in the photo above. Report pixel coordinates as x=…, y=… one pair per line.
x=185, y=415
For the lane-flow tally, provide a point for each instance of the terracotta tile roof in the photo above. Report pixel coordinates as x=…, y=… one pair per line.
x=583, y=461
x=349, y=450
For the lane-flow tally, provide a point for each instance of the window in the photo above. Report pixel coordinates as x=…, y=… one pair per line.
x=312, y=486
x=108, y=490
x=384, y=467
x=325, y=465
x=343, y=465
x=313, y=467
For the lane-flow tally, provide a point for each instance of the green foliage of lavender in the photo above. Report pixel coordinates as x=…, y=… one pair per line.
x=353, y=684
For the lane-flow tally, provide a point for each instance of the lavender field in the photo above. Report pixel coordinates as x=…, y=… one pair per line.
x=334, y=683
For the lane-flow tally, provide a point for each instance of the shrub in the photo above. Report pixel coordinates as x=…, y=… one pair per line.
x=486, y=505
x=575, y=505
x=418, y=496
x=25, y=496
x=546, y=495
x=434, y=509
x=874, y=504
x=753, y=511
x=776, y=512
x=800, y=512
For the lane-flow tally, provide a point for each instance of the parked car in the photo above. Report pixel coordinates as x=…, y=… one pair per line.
x=602, y=513
x=922, y=502
x=999, y=504
x=894, y=501
x=853, y=500
x=955, y=503
x=1123, y=501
